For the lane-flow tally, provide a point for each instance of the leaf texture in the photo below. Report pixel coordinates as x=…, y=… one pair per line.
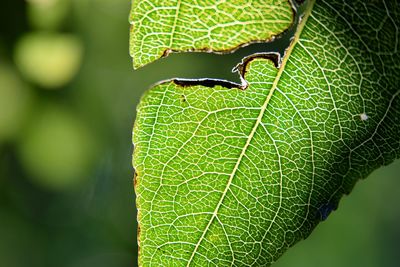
x=231, y=177
x=162, y=26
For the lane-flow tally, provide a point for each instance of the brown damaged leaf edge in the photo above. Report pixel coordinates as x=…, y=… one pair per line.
x=208, y=50
x=135, y=182
x=293, y=4
x=138, y=241
x=135, y=175
x=241, y=68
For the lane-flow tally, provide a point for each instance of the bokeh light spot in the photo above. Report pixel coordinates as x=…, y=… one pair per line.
x=48, y=59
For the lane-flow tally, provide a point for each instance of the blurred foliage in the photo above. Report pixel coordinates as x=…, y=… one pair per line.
x=70, y=148
x=66, y=192
x=15, y=100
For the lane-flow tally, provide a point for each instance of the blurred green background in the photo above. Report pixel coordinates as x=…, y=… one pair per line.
x=67, y=104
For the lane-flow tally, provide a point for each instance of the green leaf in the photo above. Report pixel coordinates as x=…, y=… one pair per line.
x=160, y=27
x=232, y=177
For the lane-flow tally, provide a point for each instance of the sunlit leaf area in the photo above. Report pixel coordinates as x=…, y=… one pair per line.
x=68, y=97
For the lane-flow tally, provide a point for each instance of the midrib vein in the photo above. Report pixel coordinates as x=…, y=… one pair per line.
x=256, y=124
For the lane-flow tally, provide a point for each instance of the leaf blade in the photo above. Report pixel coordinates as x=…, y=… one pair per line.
x=161, y=27
x=314, y=144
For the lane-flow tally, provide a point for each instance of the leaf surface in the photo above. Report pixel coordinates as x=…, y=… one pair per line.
x=231, y=177
x=162, y=26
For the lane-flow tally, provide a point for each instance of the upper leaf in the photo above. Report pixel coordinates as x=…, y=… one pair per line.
x=230, y=177
x=162, y=26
